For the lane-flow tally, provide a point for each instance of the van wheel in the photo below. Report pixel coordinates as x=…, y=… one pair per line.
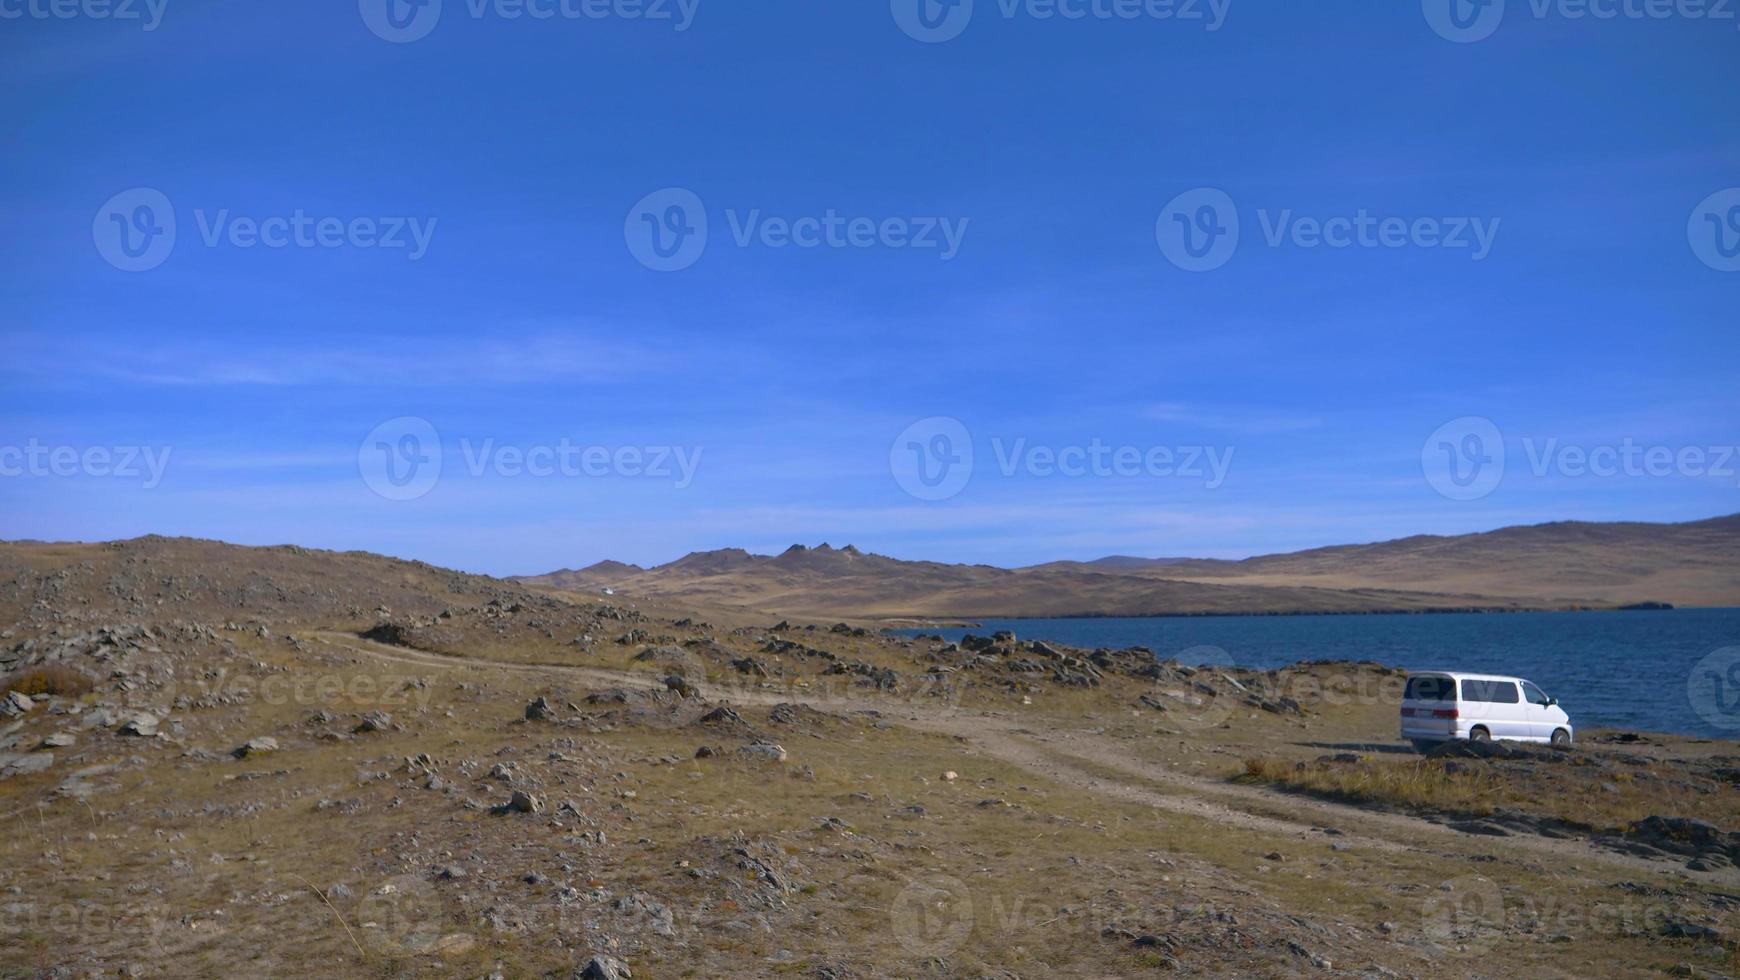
x=1561, y=737
x=1479, y=735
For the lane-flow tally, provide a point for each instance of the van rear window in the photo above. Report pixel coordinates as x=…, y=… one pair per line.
x=1497, y=692
x=1430, y=689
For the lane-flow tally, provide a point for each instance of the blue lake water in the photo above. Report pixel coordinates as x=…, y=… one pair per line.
x=1669, y=671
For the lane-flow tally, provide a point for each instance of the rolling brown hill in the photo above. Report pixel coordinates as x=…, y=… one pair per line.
x=1548, y=566
x=1690, y=564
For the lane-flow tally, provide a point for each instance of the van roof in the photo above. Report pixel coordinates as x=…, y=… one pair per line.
x=1462, y=676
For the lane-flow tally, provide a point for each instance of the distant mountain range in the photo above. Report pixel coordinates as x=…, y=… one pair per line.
x=1547, y=566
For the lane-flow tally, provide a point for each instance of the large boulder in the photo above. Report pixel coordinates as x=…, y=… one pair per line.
x=139, y=724
x=604, y=968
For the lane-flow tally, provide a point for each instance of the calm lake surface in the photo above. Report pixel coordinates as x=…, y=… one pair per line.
x=1670, y=671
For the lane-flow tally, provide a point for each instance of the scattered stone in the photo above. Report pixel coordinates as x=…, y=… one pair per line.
x=15, y=704
x=523, y=802
x=605, y=968
x=763, y=751
x=59, y=740
x=721, y=715
x=15, y=763
x=540, y=710
x=1680, y=929
x=375, y=721
x=256, y=746
x=1464, y=749
x=139, y=725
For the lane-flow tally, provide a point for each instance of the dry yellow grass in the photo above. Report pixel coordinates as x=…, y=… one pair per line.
x=1601, y=801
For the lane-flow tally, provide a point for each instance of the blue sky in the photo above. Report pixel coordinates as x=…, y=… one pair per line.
x=528, y=150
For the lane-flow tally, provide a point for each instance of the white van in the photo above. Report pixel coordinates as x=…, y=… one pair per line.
x=1440, y=706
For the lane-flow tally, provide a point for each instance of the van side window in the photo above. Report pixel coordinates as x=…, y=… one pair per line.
x=1495, y=692
x=1534, y=695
